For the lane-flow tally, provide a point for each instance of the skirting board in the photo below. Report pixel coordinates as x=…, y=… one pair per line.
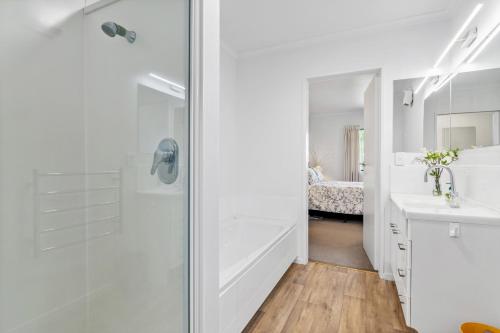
x=386, y=276
x=301, y=261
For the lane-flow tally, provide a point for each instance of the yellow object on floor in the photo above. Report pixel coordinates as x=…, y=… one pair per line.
x=478, y=328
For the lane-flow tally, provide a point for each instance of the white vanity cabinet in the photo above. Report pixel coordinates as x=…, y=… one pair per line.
x=445, y=262
x=401, y=259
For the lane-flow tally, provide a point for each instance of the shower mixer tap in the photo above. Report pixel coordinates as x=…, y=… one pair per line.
x=162, y=157
x=166, y=161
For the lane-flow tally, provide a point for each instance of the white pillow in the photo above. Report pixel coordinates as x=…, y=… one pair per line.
x=319, y=173
x=312, y=176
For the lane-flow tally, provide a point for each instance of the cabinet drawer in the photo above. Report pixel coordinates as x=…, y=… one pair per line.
x=398, y=220
x=400, y=262
x=405, y=305
x=402, y=249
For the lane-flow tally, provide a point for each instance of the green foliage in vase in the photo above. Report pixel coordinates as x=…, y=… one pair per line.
x=433, y=158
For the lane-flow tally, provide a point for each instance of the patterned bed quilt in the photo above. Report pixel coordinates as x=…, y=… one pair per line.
x=337, y=197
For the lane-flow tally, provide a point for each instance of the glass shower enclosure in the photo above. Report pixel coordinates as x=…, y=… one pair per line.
x=94, y=166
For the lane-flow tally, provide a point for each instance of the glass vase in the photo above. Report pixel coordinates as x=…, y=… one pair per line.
x=437, y=186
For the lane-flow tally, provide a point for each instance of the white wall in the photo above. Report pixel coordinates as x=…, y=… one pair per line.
x=228, y=133
x=478, y=175
x=408, y=120
x=326, y=140
x=271, y=102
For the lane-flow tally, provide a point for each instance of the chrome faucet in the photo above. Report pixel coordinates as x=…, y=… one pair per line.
x=454, y=200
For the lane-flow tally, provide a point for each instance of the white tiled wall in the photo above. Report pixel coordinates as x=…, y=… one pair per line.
x=477, y=176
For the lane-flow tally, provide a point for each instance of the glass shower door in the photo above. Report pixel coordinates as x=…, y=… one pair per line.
x=94, y=201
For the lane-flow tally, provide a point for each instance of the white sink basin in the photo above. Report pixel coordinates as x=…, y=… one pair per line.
x=428, y=207
x=423, y=201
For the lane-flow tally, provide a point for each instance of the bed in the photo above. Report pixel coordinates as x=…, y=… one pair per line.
x=338, y=197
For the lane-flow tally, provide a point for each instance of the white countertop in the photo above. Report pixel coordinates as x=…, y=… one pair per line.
x=428, y=207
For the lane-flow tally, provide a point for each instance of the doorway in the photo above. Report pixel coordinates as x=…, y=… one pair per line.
x=342, y=128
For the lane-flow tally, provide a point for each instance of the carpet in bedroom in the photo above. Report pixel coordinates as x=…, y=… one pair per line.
x=335, y=242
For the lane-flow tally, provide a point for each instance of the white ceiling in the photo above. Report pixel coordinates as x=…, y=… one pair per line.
x=338, y=94
x=249, y=25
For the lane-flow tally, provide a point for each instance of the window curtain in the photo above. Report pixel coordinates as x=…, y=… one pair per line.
x=351, y=151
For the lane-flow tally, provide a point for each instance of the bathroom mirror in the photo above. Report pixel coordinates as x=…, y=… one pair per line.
x=464, y=113
x=475, y=100
x=475, y=110
x=436, y=119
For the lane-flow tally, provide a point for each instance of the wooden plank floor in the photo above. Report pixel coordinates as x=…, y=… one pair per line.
x=325, y=298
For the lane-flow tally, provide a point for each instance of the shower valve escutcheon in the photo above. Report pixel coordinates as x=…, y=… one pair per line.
x=166, y=161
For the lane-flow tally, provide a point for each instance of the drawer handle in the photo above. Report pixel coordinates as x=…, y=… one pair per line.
x=401, y=272
x=401, y=299
x=392, y=225
x=395, y=231
x=401, y=246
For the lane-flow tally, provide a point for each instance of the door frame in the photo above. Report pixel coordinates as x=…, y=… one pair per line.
x=204, y=72
x=303, y=227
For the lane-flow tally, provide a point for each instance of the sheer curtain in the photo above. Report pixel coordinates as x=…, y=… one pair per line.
x=351, y=151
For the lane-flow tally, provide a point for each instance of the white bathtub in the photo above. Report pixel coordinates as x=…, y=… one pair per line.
x=254, y=255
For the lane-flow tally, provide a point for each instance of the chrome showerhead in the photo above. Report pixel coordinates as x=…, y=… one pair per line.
x=112, y=29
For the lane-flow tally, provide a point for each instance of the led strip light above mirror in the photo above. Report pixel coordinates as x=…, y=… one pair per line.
x=486, y=41
x=473, y=54
x=459, y=34
x=453, y=41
